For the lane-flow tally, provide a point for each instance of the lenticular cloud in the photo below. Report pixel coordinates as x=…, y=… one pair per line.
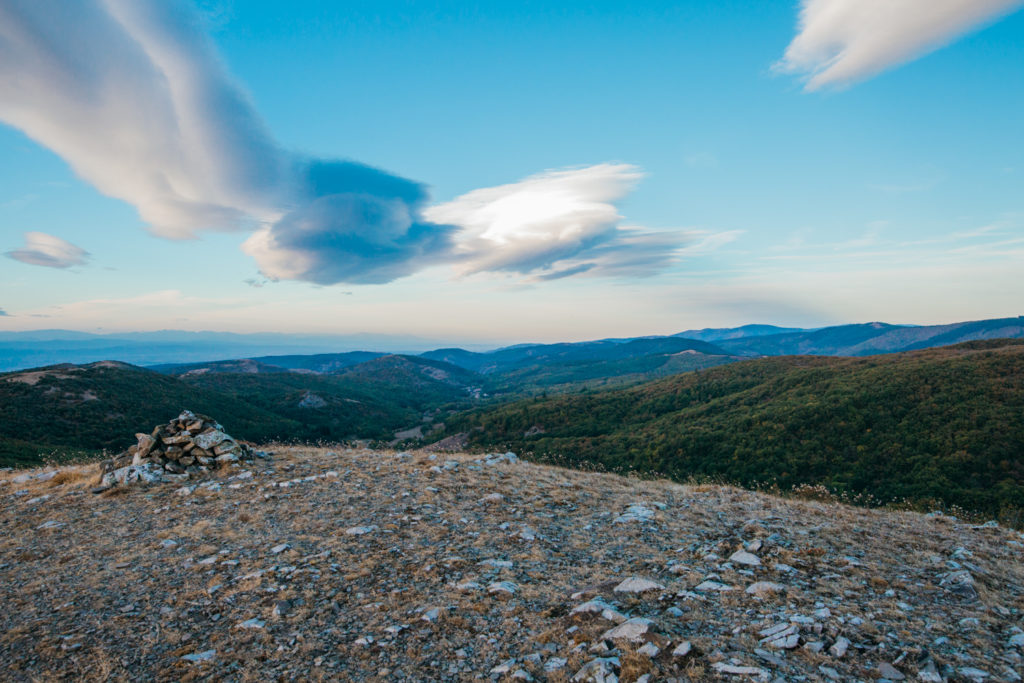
x=556, y=224
x=132, y=94
x=842, y=41
x=50, y=251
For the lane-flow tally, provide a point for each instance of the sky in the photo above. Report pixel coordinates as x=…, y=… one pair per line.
x=509, y=171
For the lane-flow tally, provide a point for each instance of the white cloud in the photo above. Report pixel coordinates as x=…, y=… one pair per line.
x=133, y=97
x=556, y=224
x=48, y=250
x=842, y=41
x=132, y=94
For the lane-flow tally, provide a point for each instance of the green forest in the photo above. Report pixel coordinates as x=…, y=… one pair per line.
x=941, y=427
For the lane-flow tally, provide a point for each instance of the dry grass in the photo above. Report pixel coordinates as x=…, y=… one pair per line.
x=107, y=596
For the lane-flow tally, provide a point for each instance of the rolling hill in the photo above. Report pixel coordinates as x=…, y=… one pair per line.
x=934, y=426
x=371, y=400
x=510, y=372
x=83, y=409
x=516, y=358
x=322, y=363
x=79, y=410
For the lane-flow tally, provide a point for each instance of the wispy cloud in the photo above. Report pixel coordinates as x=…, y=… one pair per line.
x=4, y=314
x=879, y=244
x=183, y=143
x=556, y=224
x=843, y=41
x=42, y=249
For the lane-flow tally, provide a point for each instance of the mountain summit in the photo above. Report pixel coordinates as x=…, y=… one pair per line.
x=366, y=566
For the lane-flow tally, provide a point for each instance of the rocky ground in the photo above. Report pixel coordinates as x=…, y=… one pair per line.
x=319, y=564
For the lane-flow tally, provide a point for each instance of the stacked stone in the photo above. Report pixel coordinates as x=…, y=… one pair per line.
x=188, y=444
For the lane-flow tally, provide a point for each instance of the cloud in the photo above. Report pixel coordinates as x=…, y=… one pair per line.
x=359, y=225
x=4, y=314
x=554, y=225
x=843, y=41
x=132, y=94
x=48, y=250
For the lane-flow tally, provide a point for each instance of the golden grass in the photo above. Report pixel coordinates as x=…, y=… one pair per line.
x=430, y=540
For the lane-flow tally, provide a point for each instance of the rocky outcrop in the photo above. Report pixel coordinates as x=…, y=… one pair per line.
x=185, y=446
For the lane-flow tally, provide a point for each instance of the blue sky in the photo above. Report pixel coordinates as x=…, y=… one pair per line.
x=587, y=169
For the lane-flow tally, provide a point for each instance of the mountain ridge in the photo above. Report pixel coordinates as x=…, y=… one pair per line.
x=934, y=426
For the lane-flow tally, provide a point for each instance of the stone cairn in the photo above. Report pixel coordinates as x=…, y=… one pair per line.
x=187, y=445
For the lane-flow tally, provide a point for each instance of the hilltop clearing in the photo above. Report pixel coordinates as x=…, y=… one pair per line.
x=359, y=565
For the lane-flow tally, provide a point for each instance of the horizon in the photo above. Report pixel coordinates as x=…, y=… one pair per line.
x=215, y=166
x=100, y=332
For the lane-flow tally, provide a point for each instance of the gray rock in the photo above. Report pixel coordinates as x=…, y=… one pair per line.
x=497, y=564
x=633, y=630
x=251, y=623
x=743, y=557
x=929, y=673
x=208, y=440
x=829, y=672
x=146, y=473
x=600, y=670
x=636, y=512
x=781, y=637
x=200, y=657
x=500, y=458
x=555, y=664
x=602, y=609
x=960, y=583
x=504, y=668
x=887, y=670
x=635, y=584
x=649, y=649
x=839, y=647
x=734, y=670
x=709, y=585
x=506, y=588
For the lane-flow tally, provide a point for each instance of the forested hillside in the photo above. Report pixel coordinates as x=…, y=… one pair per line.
x=73, y=411
x=944, y=425
x=83, y=409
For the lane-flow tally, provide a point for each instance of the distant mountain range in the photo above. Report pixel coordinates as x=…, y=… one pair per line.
x=715, y=334
x=19, y=350
x=871, y=338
